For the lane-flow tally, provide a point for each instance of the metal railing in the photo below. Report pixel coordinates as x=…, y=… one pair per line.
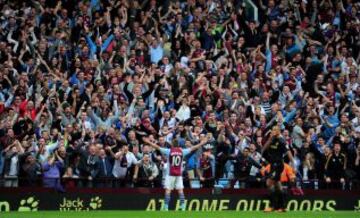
x=221, y=183
x=252, y=11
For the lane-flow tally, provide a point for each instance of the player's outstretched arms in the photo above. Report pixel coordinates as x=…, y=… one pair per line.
x=202, y=142
x=147, y=141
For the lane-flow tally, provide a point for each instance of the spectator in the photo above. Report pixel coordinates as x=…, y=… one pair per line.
x=105, y=169
x=89, y=165
x=32, y=171
x=146, y=173
x=52, y=168
x=357, y=162
x=205, y=171
x=243, y=163
x=335, y=166
x=287, y=175
x=12, y=163
x=124, y=164
x=69, y=178
x=298, y=134
x=254, y=171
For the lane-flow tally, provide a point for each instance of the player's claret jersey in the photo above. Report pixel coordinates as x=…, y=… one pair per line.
x=175, y=157
x=175, y=161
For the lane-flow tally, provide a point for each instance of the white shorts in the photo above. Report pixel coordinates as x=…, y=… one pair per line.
x=173, y=182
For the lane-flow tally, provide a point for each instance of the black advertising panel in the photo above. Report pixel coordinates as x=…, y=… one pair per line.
x=127, y=199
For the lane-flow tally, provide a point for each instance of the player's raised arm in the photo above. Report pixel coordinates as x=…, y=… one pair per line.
x=147, y=141
x=203, y=142
x=267, y=144
x=291, y=158
x=275, y=132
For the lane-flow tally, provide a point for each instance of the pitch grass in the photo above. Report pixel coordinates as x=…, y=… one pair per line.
x=177, y=214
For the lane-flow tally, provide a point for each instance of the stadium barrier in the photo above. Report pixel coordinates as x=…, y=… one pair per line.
x=221, y=183
x=251, y=10
x=87, y=199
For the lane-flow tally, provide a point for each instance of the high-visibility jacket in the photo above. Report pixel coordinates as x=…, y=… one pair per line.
x=287, y=174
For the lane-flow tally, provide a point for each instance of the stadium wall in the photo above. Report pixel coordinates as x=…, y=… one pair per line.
x=39, y=199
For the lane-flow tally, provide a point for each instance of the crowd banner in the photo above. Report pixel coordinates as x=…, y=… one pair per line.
x=21, y=199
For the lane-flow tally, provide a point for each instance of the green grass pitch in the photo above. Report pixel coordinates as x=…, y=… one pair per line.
x=177, y=214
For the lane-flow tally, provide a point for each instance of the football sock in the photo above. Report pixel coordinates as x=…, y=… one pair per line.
x=182, y=199
x=281, y=199
x=167, y=200
x=273, y=200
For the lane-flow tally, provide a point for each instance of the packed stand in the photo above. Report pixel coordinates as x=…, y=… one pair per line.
x=83, y=82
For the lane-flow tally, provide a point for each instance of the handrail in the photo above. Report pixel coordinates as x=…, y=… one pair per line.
x=250, y=3
x=194, y=183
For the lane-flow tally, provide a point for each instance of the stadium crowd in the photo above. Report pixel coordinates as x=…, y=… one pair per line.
x=83, y=82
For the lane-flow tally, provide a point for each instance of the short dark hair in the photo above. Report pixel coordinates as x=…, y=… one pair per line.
x=175, y=143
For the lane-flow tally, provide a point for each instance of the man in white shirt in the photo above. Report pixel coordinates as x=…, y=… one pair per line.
x=166, y=66
x=167, y=120
x=46, y=149
x=298, y=136
x=124, y=162
x=254, y=171
x=356, y=121
x=242, y=142
x=346, y=64
x=184, y=112
x=85, y=121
